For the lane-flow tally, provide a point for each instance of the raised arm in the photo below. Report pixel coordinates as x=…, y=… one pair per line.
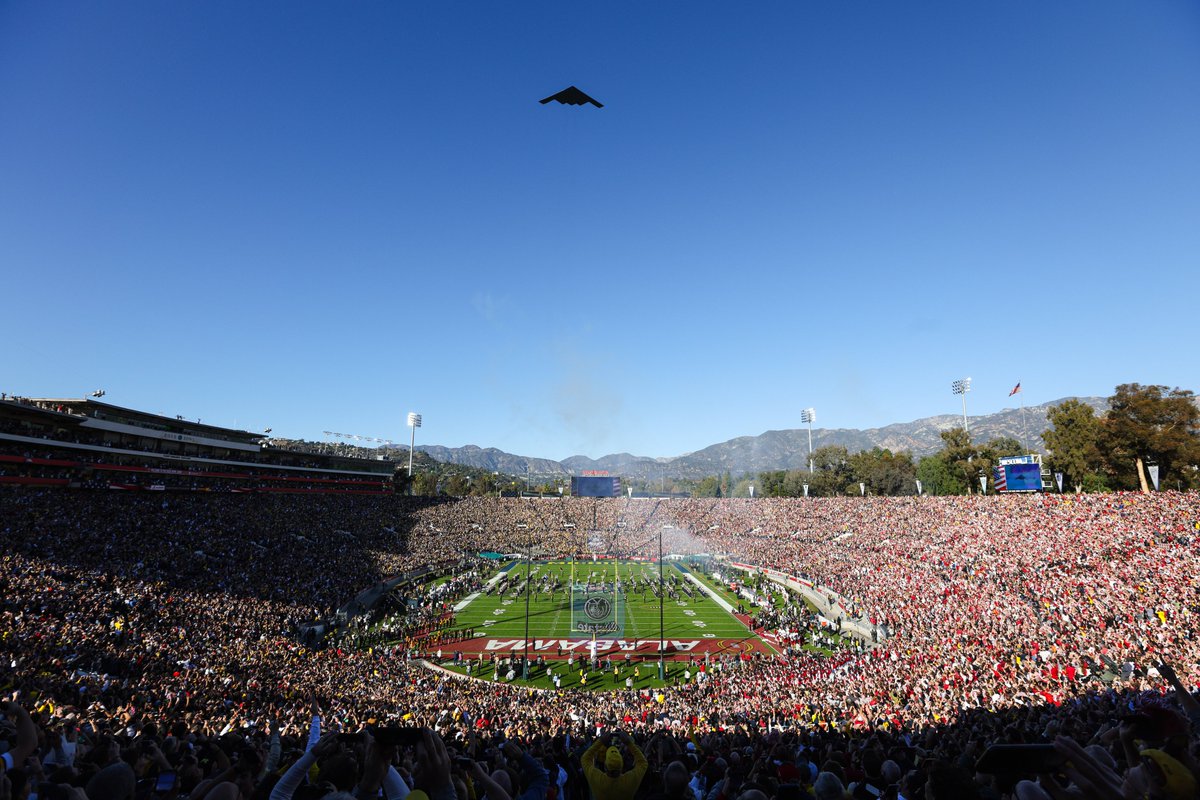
x=639, y=758
x=286, y=787
x=483, y=780
x=314, y=731
x=1189, y=703
x=588, y=759
x=274, y=752
x=539, y=777
x=27, y=737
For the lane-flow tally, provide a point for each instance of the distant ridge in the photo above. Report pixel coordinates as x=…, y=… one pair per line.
x=783, y=449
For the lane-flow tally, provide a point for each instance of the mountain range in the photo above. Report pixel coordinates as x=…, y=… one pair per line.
x=781, y=449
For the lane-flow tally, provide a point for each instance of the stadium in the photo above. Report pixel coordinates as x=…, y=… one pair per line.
x=207, y=606
x=599, y=401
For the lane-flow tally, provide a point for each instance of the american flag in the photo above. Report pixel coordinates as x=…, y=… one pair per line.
x=1016, y=389
x=998, y=476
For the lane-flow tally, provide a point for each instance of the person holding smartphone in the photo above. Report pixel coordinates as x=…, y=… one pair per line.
x=614, y=782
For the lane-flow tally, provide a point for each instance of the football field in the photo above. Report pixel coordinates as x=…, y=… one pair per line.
x=615, y=603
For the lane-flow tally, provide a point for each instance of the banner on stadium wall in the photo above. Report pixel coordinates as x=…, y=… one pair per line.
x=806, y=490
x=862, y=488
x=1058, y=478
x=919, y=487
x=983, y=483
x=1153, y=470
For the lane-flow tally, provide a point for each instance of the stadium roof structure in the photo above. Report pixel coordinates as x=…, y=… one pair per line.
x=134, y=441
x=90, y=407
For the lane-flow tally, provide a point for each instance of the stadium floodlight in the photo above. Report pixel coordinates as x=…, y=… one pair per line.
x=528, y=570
x=414, y=422
x=809, y=416
x=962, y=386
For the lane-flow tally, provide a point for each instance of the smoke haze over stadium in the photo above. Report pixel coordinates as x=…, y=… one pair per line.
x=332, y=215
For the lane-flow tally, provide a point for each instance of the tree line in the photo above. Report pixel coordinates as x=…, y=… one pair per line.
x=1143, y=427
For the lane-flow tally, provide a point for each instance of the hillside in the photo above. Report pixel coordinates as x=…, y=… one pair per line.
x=781, y=449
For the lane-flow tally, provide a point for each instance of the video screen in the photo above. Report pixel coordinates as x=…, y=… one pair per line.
x=1024, y=477
x=588, y=486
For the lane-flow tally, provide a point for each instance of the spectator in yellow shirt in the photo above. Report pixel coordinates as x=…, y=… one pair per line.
x=613, y=782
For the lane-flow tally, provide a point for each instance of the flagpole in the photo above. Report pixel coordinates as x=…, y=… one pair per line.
x=1024, y=426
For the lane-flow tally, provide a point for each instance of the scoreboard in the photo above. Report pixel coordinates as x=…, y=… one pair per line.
x=595, y=486
x=1019, y=474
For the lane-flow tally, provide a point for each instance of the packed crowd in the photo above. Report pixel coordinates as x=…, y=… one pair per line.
x=414, y=614
x=159, y=634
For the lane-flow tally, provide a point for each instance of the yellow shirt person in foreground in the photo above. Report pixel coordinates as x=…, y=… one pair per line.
x=613, y=782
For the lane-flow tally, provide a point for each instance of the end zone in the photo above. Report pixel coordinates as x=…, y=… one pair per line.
x=554, y=649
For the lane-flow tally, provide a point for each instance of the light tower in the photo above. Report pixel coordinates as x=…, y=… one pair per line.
x=662, y=665
x=961, y=387
x=528, y=572
x=809, y=415
x=414, y=422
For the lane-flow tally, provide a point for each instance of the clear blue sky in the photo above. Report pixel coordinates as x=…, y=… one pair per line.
x=320, y=216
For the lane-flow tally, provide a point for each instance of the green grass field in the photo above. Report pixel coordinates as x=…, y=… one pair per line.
x=501, y=614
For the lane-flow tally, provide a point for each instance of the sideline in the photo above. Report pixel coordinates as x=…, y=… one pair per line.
x=722, y=602
x=770, y=644
x=449, y=673
x=859, y=627
x=466, y=601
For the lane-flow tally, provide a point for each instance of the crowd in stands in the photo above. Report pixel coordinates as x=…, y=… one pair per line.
x=417, y=616
x=150, y=635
